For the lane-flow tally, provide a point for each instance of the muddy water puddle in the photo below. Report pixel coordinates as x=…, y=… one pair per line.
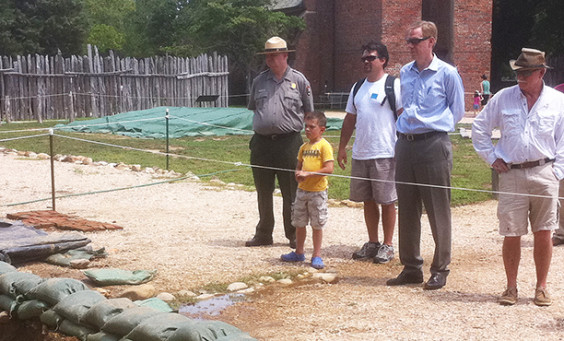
x=212, y=306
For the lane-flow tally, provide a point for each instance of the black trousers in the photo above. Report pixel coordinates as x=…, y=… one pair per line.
x=282, y=154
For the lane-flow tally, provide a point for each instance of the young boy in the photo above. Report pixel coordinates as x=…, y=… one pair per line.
x=315, y=156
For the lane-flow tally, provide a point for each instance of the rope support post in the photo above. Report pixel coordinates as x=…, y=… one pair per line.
x=52, y=168
x=167, y=117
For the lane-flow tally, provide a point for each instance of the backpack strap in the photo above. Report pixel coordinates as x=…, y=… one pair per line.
x=390, y=94
x=357, y=86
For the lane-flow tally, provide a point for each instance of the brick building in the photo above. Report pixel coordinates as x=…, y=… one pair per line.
x=328, y=51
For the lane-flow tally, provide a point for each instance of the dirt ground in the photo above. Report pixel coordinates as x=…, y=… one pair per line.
x=194, y=234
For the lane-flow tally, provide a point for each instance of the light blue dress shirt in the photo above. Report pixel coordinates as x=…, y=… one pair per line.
x=433, y=99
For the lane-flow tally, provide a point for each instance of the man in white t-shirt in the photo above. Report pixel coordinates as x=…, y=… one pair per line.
x=370, y=113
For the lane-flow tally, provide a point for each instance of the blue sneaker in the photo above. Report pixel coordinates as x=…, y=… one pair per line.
x=293, y=257
x=317, y=263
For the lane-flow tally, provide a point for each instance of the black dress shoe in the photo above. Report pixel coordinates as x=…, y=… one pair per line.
x=406, y=278
x=436, y=281
x=258, y=242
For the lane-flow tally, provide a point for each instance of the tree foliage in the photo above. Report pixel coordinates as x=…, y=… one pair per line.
x=548, y=28
x=41, y=26
x=237, y=28
x=106, y=19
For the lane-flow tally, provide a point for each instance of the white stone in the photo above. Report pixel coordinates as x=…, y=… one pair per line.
x=204, y=297
x=43, y=156
x=141, y=292
x=266, y=279
x=167, y=297
x=79, y=263
x=246, y=291
x=136, y=168
x=236, y=286
x=285, y=281
x=87, y=161
x=217, y=182
x=187, y=293
x=327, y=277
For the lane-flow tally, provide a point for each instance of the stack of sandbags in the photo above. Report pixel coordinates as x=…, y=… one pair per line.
x=69, y=306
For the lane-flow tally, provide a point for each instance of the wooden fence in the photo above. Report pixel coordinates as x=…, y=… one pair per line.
x=52, y=87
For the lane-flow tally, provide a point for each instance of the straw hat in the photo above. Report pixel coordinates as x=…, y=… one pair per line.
x=529, y=59
x=275, y=45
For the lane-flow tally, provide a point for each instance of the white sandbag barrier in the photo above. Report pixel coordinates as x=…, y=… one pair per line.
x=70, y=307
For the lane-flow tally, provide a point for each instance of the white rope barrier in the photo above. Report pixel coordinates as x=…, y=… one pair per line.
x=238, y=164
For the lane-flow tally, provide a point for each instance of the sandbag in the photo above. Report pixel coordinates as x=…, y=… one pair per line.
x=74, y=329
x=30, y=309
x=74, y=306
x=110, y=276
x=64, y=259
x=219, y=328
x=155, y=303
x=5, y=267
x=124, y=323
x=51, y=319
x=55, y=290
x=103, y=311
x=101, y=336
x=204, y=330
x=192, y=332
x=158, y=328
x=6, y=302
x=18, y=283
x=236, y=337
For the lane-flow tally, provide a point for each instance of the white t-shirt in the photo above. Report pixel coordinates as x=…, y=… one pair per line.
x=375, y=122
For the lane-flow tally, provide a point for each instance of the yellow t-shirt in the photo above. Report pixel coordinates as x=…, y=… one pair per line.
x=313, y=156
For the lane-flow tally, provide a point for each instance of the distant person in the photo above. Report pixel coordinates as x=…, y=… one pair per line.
x=370, y=112
x=314, y=157
x=280, y=96
x=485, y=89
x=529, y=160
x=433, y=102
x=477, y=100
x=558, y=237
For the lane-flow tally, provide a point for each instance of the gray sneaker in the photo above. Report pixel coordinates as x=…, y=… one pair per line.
x=368, y=250
x=385, y=254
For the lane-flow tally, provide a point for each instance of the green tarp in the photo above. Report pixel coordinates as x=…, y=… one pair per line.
x=151, y=123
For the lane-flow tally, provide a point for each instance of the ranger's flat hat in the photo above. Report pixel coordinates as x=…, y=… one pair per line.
x=275, y=45
x=529, y=59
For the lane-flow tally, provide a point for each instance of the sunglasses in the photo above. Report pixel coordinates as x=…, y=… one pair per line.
x=369, y=58
x=415, y=41
x=525, y=73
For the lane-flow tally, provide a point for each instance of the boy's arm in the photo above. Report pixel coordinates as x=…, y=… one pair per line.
x=327, y=167
x=299, y=174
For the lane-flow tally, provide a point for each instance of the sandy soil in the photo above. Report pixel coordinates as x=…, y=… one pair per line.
x=194, y=234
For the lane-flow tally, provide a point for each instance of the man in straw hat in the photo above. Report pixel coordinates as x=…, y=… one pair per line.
x=529, y=158
x=280, y=97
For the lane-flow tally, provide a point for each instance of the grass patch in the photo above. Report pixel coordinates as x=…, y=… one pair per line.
x=196, y=155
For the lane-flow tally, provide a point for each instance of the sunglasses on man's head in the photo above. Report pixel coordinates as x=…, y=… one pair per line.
x=415, y=41
x=369, y=58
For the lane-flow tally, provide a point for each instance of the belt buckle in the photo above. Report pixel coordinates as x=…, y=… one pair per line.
x=274, y=137
x=409, y=137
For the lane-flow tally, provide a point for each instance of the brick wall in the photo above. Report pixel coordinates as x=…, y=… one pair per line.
x=329, y=49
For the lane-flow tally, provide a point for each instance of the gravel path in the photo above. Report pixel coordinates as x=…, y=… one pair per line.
x=193, y=234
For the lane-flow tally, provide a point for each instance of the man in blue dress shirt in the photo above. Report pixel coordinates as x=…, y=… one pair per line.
x=433, y=102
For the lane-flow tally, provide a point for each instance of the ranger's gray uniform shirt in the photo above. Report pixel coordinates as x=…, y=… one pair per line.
x=279, y=106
